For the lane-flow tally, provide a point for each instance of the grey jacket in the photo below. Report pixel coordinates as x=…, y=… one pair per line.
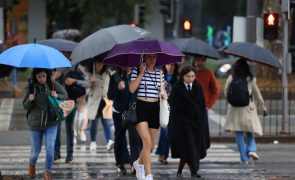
x=38, y=116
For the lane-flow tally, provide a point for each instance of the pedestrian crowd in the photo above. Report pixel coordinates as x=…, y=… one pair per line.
x=191, y=91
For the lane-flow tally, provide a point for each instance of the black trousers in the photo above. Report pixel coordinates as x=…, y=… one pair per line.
x=122, y=154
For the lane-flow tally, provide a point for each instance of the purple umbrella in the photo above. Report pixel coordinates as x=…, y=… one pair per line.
x=129, y=54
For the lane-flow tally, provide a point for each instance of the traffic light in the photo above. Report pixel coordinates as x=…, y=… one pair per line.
x=139, y=14
x=187, y=28
x=167, y=9
x=271, y=25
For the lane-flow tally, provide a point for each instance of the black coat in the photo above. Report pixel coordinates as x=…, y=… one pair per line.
x=188, y=127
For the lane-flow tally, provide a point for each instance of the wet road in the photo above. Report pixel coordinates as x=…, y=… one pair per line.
x=222, y=162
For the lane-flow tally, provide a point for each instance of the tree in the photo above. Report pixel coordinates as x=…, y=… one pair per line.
x=89, y=16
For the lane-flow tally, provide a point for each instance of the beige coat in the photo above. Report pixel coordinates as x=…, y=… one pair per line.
x=244, y=118
x=98, y=91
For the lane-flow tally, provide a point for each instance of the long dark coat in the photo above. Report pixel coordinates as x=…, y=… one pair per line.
x=188, y=128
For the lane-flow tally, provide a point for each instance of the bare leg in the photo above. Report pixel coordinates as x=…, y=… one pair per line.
x=146, y=138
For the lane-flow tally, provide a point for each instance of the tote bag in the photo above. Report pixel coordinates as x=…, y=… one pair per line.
x=164, y=108
x=107, y=111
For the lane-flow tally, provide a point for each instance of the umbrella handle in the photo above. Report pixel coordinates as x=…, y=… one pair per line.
x=93, y=69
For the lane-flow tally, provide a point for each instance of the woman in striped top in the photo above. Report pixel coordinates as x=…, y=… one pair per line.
x=147, y=82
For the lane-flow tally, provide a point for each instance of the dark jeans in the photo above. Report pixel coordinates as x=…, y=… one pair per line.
x=69, y=134
x=120, y=147
x=163, y=144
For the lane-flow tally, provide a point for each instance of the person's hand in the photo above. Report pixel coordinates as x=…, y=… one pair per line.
x=142, y=68
x=70, y=81
x=31, y=97
x=93, y=79
x=163, y=95
x=121, y=85
x=264, y=113
x=54, y=94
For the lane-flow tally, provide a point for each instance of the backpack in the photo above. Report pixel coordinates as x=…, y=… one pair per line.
x=238, y=94
x=75, y=91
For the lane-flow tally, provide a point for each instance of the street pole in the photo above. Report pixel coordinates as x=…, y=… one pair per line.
x=251, y=27
x=284, y=75
x=176, y=22
x=2, y=23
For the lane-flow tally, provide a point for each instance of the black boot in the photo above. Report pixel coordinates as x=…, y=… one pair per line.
x=180, y=167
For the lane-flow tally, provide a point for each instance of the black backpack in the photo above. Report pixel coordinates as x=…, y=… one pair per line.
x=238, y=94
x=75, y=91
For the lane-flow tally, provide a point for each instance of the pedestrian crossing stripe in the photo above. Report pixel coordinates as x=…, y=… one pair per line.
x=100, y=164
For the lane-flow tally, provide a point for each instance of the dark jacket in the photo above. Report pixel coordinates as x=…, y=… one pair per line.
x=188, y=129
x=38, y=116
x=121, y=98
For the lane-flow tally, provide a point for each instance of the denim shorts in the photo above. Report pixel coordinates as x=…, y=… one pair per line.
x=148, y=112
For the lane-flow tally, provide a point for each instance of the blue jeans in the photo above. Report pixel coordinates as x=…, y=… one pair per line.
x=36, y=145
x=163, y=144
x=69, y=134
x=106, y=124
x=245, y=147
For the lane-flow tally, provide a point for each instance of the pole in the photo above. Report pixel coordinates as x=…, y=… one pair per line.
x=176, y=22
x=2, y=25
x=284, y=76
x=251, y=27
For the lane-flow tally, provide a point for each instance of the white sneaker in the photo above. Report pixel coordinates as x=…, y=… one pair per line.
x=83, y=137
x=140, y=173
x=149, y=177
x=110, y=145
x=253, y=155
x=92, y=146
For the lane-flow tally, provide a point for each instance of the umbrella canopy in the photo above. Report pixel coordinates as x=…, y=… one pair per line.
x=104, y=40
x=59, y=44
x=129, y=54
x=196, y=47
x=66, y=33
x=251, y=52
x=34, y=56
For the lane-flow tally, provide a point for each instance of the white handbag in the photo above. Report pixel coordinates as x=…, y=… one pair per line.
x=164, y=108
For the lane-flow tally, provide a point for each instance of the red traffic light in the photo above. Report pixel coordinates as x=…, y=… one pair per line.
x=271, y=19
x=271, y=25
x=187, y=25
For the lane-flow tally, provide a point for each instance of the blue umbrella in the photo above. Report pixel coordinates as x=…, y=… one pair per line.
x=34, y=56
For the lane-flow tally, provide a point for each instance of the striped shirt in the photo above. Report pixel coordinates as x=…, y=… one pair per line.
x=149, y=86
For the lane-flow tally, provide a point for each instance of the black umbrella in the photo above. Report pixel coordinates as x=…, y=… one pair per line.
x=59, y=44
x=194, y=46
x=251, y=52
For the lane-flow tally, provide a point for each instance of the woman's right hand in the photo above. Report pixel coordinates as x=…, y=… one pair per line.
x=31, y=97
x=142, y=68
x=93, y=79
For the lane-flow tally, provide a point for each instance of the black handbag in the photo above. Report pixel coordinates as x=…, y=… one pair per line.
x=129, y=117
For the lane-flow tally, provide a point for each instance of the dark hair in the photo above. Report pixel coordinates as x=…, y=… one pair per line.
x=241, y=68
x=184, y=70
x=175, y=72
x=33, y=79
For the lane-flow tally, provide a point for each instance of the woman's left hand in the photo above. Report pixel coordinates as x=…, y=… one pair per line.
x=163, y=95
x=54, y=94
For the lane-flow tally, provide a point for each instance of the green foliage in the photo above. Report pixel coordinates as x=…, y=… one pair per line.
x=89, y=15
x=225, y=8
